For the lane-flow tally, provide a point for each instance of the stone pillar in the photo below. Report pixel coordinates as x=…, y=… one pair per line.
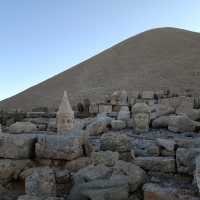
x=141, y=117
x=65, y=116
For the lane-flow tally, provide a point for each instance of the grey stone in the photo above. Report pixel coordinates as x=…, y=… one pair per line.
x=144, y=147
x=22, y=127
x=161, y=122
x=157, y=164
x=136, y=175
x=181, y=123
x=185, y=159
x=17, y=146
x=11, y=169
x=115, y=142
x=64, y=147
x=107, y=158
x=98, y=126
x=167, y=144
x=29, y=197
x=41, y=182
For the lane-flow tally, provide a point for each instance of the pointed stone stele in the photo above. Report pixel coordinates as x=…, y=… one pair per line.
x=65, y=116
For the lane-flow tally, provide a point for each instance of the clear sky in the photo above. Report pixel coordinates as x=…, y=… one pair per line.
x=41, y=38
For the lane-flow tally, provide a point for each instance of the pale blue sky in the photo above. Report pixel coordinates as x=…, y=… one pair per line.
x=40, y=38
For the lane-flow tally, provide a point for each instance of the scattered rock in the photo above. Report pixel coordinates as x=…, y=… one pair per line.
x=22, y=127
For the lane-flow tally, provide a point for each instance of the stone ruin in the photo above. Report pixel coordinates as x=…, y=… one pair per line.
x=143, y=151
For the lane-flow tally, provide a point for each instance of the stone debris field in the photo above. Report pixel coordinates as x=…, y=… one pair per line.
x=147, y=148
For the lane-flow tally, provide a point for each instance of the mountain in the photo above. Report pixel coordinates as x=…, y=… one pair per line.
x=153, y=60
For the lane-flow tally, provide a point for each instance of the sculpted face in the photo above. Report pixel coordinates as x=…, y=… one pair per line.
x=67, y=122
x=141, y=121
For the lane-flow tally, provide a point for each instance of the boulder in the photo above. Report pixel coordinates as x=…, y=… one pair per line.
x=115, y=142
x=185, y=159
x=197, y=172
x=144, y=147
x=154, y=191
x=41, y=182
x=91, y=173
x=99, y=126
x=17, y=146
x=156, y=164
x=64, y=147
x=29, y=197
x=22, y=127
x=161, y=122
x=11, y=169
x=136, y=175
x=181, y=123
x=52, y=126
x=118, y=124
x=124, y=114
x=114, y=188
x=168, y=144
x=108, y=158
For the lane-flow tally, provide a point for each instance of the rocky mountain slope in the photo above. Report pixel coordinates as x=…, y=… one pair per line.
x=153, y=60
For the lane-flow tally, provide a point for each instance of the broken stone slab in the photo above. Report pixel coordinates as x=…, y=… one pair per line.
x=64, y=147
x=197, y=172
x=181, y=123
x=168, y=144
x=99, y=126
x=154, y=191
x=136, y=175
x=185, y=159
x=118, y=124
x=11, y=169
x=29, y=197
x=157, y=164
x=22, y=127
x=114, y=188
x=115, y=142
x=107, y=158
x=161, y=122
x=91, y=173
x=17, y=146
x=144, y=147
x=42, y=182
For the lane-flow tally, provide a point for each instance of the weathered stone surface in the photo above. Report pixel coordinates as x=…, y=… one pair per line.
x=118, y=124
x=143, y=147
x=161, y=122
x=41, y=182
x=22, y=127
x=29, y=197
x=185, y=159
x=64, y=147
x=168, y=144
x=91, y=173
x=157, y=164
x=158, y=110
x=119, y=98
x=77, y=164
x=136, y=176
x=114, y=188
x=99, y=126
x=197, y=172
x=65, y=116
x=115, y=142
x=158, y=192
x=141, y=117
x=11, y=169
x=107, y=158
x=181, y=123
x=16, y=146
